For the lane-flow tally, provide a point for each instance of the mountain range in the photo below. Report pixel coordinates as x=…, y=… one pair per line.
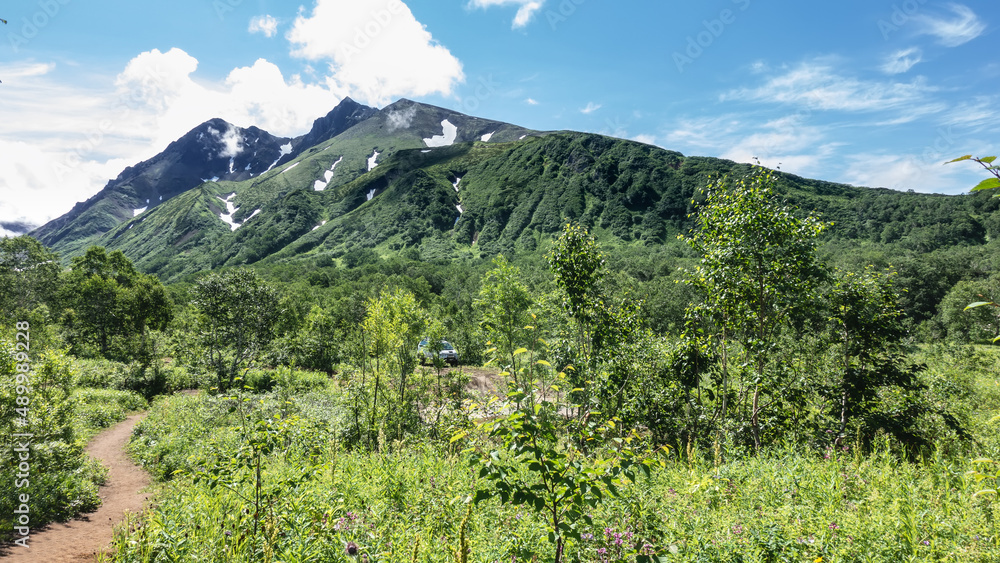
x=412, y=175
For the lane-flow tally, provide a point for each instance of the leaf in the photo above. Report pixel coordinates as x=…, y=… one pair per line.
x=979, y=304
x=988, y=184
x=960, y=159
x=988, y=159
x=544, y=363
x=458, y=437
x=520, y=351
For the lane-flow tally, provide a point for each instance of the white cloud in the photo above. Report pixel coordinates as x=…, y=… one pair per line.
x=532, y=102
x=265, y=24
x=907, y=172
x=817, y=86
x=62, y=142
x=902, y=61
x=961, y=29
x=402, y=119
x=642, y=138
x=591, y=108
x=376, y=50
x=168, y=102
x=526, y=9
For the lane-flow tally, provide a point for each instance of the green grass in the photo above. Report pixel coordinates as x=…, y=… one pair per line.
x=788, y=504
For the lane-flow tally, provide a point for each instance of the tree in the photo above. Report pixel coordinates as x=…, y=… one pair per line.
x=237, y=315
x=603, y=322
x=866, y=325
x=112, y=306
x=29, y=275
x=758, y=272
x=578, y=266
x=391, y=331
x=987, y=184
x=504, y=304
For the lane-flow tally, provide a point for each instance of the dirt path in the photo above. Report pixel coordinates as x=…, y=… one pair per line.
x=79, y=540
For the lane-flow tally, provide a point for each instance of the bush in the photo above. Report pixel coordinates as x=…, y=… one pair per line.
x=96, y=409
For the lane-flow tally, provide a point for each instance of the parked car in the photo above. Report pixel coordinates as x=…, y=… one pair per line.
x=447, y=353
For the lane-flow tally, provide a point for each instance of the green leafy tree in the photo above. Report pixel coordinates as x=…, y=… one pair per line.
x=976, y=324
x=578, y=266
x=987, y=184
x=529, y=461
x=758, y=273
x=237, y=314
x=391, y=330
x=29, y=276
x=603, y=323
x=112, y=307
x=504, y=304
x=867, y=330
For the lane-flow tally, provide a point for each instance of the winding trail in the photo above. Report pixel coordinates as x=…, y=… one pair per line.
x=81, y=539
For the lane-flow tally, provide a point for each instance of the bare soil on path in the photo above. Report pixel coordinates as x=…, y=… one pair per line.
x=80, y=540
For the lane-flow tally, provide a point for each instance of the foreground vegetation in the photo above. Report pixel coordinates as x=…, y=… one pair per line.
x=775, y=406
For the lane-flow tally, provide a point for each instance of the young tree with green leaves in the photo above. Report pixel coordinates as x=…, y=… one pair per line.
x=758, y=273
x=393, y=326
x=866, y=326
x=237, y=314
x=504, y=305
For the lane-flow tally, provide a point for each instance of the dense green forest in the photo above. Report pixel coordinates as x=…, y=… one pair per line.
x=738, y=365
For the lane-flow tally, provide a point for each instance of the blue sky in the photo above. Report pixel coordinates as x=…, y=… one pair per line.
x=867, y=93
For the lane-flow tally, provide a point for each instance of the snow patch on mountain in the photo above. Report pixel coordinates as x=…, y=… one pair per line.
x=321, y=185
x=137, y=212
x=227, y=218
x=486, y=138
x=285, y=149
x=290, y=167
x=457, y=182
x=447, y=138
x=372, y=161
x=371, y=194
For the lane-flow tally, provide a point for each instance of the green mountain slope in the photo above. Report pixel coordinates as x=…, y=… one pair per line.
x=384, y=183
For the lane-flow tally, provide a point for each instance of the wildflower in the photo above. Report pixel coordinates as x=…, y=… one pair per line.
x=834, y=526
x=737, y=529
x=927, y=542
x=587, y=536
x=352, y=548
x=229, y=534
